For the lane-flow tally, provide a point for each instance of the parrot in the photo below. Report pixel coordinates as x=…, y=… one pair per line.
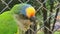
x=19, y=17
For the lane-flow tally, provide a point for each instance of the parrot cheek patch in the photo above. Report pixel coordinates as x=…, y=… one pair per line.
x=30, y=12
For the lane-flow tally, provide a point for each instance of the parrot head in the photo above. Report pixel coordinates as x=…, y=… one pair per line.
x=28, y=11
x=24, y=13
x=24, y=9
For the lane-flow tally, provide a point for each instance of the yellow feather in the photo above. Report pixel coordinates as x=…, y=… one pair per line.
x=30, y=11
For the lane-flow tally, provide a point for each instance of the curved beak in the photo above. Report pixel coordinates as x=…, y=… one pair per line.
x=33, y=19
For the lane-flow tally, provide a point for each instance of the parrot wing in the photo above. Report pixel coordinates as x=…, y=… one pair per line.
x=7, y=24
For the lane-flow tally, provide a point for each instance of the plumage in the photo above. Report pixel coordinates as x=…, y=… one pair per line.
x=7, y=23
x=17, y=17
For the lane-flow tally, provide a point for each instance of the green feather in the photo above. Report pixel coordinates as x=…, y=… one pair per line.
x=7, y=23
x=17, y=8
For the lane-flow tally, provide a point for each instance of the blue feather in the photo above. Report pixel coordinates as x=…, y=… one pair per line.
x=23, y=11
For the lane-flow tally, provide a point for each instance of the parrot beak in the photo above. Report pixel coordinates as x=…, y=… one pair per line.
x=33, y=19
